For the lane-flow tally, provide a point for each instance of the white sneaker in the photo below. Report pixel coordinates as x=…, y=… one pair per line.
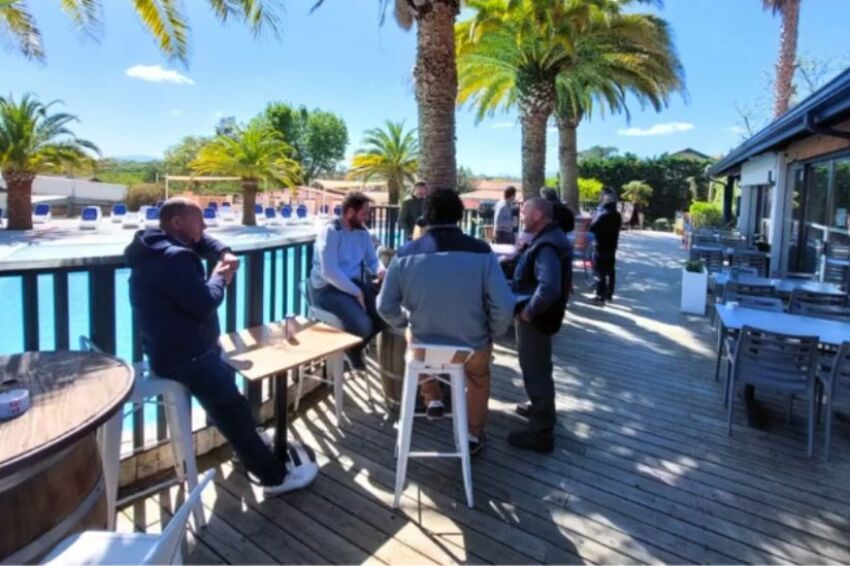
x=296, y=478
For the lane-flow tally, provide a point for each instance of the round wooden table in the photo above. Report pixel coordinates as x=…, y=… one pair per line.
x=51, y=480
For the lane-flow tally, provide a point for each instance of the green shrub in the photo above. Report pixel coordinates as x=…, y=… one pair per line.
x=142, y=194
x=589, y=189
x=694, y=265
x=638, y=192
x=705, y=215
x=662, y=225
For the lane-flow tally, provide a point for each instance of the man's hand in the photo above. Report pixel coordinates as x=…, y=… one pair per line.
x=230, y=259
x=523, y=315
x=225, y=270
x=379, y=278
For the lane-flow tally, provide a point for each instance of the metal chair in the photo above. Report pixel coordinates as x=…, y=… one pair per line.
x=840, y=313
x=752, y=259
x=811, y=300
x=713, y=259
x=783, y=362
x=836, y=368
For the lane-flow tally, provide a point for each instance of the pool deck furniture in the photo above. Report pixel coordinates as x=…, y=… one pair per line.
x=51, y=481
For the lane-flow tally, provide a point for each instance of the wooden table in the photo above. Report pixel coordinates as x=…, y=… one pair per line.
x=51, y=482
x=262, y=351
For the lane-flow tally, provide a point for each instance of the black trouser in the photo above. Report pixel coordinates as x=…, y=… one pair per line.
x=604, y=265
x=535, y=361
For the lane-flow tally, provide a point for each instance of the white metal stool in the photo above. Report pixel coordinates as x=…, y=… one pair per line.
x=176, y=401
x=434, y=361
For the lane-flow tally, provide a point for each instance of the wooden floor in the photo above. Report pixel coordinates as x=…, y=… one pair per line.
x=643, y=469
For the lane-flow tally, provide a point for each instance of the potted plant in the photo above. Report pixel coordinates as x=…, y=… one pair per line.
x=694, y=287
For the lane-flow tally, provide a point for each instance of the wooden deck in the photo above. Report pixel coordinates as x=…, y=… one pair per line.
x=643, y=469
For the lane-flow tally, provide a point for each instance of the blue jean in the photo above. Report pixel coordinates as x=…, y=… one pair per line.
x=213, y=383
x=363, y=323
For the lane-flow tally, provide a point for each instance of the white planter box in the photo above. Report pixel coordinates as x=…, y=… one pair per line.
x=694, y=291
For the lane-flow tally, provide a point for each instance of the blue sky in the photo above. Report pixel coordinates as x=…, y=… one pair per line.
x=340, y=59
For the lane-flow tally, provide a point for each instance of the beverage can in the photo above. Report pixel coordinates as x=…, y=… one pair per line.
x=290, y=327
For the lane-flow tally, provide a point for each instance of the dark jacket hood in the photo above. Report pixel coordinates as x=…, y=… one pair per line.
x=552, y=235
x=150, y=243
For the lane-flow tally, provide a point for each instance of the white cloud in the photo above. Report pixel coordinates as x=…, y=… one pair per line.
x=658, y=129
x=218, y=114
x=735, y=130
x=156, y=74
x=176, y=112
x=503, y=125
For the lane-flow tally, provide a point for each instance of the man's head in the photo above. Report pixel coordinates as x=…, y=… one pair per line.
x=536, y=214
x=420, y=189
x=443, y=206
x=608, y=196
x=355, y=209
x=549, y=194
x=510, y=194
x=182, y=218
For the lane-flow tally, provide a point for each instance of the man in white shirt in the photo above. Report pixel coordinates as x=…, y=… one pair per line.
x=503, y=217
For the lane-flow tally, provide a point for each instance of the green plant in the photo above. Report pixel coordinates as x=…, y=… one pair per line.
x=705, y=214
x=662, y=225
x=589, y=189
x=390, y=153
x=694, y=266
x=144, y=194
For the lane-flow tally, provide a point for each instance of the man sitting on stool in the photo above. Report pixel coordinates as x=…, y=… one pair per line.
x=343, y=254
x=176, y=306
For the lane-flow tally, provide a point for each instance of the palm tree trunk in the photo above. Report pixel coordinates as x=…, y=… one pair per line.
x=787, y=61
x=568, y=160
x=249, y=201
x=533, y=150
x=436, y=92
x=393, y=190
x=19, y=201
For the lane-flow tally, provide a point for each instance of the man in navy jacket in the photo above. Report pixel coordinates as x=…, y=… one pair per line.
x=176, y=306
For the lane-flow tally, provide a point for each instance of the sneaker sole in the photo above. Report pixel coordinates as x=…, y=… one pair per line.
x=310, y=472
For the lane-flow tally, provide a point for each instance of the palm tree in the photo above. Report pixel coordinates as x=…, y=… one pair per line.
x=163, y=19
x=33, y=140
x=786, y=63
x=628, y=54
x=436, y=81
x=254, y=154
x=389, y=153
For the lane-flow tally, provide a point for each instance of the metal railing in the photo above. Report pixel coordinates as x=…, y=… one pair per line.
x=384, y=224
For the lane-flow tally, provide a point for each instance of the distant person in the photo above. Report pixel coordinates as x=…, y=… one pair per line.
x=606, y=229
x=176, y=305
x=411, y=209
x=449, y=288
x=345, y=263
x=564, y=217
x=542, y=279
x=503, y=218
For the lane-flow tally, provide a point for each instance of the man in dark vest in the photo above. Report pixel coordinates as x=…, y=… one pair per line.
x=542, y=279
x=606, y=229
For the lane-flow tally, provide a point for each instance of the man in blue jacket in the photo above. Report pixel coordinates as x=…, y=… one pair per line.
x=450, y=289
x=176, y=307
x=542, y=280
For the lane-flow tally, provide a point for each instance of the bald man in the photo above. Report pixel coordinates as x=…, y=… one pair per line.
x=176, y=306
x=542, y=280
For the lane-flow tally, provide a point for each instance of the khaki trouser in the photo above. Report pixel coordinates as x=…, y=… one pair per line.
x=477, y=389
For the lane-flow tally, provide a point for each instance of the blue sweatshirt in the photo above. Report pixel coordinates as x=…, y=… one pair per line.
x=341, y=255
x=173, y=301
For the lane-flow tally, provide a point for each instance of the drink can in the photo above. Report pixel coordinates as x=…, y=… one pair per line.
x=290, y=326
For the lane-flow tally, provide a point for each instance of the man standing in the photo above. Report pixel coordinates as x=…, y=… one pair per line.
x=542, y=280
x=411, y=209
x=477, y=309
x=345, y=265
x=503, y=217
x=176, y=306
x=606, y=229
x=563, y=216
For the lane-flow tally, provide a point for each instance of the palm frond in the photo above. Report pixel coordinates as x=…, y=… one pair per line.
x=18, y=26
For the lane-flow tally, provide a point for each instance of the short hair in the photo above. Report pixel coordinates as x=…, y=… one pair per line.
x=549, y=194
x=609, y=194
x=443, y=206
x=418, y=184
x=510, y=192
x=174, y=207
x=541, y=205
x=355, y=200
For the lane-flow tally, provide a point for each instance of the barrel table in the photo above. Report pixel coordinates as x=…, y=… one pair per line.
x=51, y=480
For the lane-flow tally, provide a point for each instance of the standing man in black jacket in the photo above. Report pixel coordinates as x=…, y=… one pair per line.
x=563, y=216
x=606, y=228
x=542, y=280
x=411, y=209
x=176, y=305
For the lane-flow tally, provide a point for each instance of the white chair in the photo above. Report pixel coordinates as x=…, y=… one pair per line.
x=272, y=218
x=90, y=218
x=150, y=217
x=259, y=214
x=226, y=212
x=119, y=212
x=107, y=547
x=176, y=400
x=434, y=361
x=210, y=217
x=41, y=214
x=132, y=220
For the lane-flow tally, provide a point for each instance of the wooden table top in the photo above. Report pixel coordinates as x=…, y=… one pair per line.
x=261, y=351
x=71, y=394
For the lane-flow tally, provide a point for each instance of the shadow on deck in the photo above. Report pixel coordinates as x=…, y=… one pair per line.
x=643, y=469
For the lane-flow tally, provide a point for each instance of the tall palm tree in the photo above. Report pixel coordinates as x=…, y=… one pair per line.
x=33, y=139
x=627, y=54
x=436, y=82
x=255, y=154
x=389, y=153
x=163, y=19
x=510, y=54
x=786, y=63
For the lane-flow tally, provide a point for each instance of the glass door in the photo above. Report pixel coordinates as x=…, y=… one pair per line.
x=815, y=218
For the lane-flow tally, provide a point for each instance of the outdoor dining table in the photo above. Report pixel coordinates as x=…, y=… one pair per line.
x=51, y=479
x=783, y=286
x=829, y=332
x=263, y=351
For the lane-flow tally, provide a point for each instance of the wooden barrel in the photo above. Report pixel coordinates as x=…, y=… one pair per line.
x=55, y=497
x=392, y=345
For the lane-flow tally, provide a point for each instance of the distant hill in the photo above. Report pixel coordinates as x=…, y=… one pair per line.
x=136, y=158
